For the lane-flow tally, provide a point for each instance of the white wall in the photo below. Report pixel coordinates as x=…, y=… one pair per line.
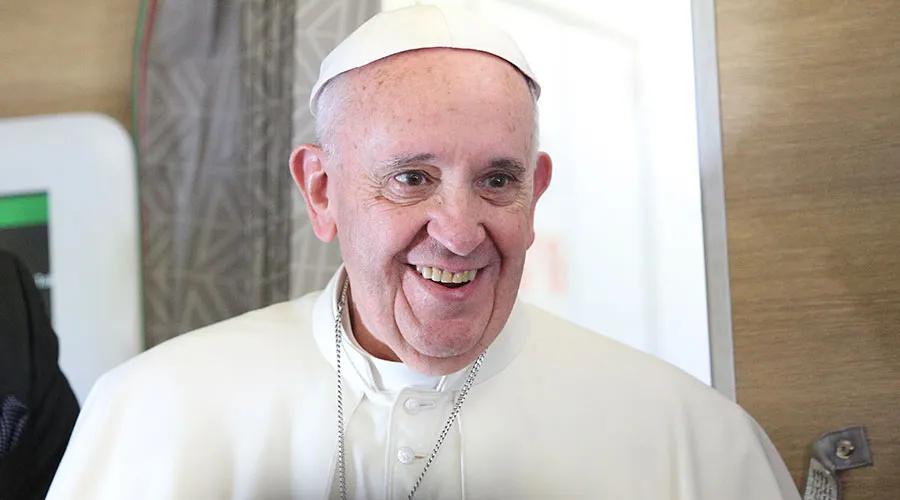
x=619, y=245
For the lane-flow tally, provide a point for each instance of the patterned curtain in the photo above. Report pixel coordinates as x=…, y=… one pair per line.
x=268, y=74
x=319, y=26
x=221, y=94
x=195, y=197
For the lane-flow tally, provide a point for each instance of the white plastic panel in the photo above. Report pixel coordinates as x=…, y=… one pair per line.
x=85, y=164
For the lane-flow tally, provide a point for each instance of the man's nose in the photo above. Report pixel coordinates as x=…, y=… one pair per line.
x=456, y=223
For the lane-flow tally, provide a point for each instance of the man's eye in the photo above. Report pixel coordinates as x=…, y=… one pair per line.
x=498, y=181
x=412, y=179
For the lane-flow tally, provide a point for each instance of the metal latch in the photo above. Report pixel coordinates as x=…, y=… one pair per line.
x=833, y=453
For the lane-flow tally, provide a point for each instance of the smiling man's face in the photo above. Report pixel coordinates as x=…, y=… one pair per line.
x=431, y=193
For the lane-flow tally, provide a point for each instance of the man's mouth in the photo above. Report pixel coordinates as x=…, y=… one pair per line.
x=446, y=278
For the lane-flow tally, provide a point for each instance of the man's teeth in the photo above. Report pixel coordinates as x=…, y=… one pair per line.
x=441, y=276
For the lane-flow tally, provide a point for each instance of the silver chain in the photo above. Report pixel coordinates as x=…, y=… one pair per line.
x=457, y=406
x=342, y=473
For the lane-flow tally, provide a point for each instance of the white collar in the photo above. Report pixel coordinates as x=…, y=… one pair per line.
x=379, y=377
x=389, y=376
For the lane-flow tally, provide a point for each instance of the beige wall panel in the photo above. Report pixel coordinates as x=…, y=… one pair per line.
x=66, y=55
x=810, y=99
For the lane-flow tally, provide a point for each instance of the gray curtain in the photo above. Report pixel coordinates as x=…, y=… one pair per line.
x=268, y=74
x=196, y=204
x=227, y=84
x=319, y=26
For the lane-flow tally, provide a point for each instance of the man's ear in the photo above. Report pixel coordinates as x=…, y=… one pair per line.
x=308, y=169
x=542, y=174
x=543, y=171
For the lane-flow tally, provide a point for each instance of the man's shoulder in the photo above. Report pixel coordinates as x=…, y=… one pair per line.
x=619, y=382
x=246, y=347
x=600, y=360
x=606, y=395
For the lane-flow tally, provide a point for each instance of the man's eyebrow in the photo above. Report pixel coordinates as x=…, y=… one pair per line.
x=509, y=165
x=405, y=160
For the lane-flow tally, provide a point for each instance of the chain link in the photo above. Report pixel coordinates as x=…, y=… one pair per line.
x=470, y=379
x=342, y=472
x=457, y=405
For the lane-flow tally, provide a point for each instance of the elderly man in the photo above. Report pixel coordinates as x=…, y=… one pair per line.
x=415, y=373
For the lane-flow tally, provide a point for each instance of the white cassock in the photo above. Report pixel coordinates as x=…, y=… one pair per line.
x=246, y=409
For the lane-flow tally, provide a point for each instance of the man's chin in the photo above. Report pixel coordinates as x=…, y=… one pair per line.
x=445, y=345
x=433, y=361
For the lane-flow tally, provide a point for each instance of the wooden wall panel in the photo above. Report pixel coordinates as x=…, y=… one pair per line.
x=810, y=100
x=66, y=55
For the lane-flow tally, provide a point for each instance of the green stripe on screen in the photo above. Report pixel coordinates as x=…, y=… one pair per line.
x=23, y=210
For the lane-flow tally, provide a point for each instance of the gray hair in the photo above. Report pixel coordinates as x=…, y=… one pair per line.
x=334, y=98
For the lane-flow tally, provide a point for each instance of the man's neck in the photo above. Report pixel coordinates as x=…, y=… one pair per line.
x=366, y=340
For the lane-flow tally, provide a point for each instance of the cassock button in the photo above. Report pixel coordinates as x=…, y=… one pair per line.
x=413, y=406
x=406, y=456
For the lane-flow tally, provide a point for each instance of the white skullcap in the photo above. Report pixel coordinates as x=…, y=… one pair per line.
x=418, y=27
